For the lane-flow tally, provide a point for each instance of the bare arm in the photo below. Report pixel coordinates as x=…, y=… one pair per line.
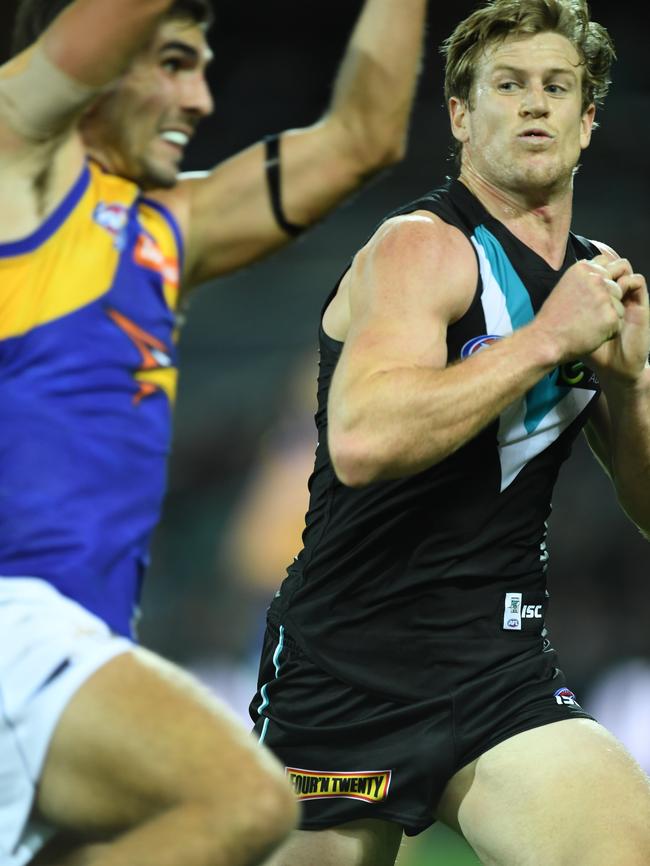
x=227, y=214
x=87, y=46
x=619, y=430
x=395, y=408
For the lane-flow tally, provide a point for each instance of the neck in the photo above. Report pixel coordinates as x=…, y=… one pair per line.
x=537, y=218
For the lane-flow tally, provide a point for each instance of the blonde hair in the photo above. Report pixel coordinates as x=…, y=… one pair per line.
x=497, y=19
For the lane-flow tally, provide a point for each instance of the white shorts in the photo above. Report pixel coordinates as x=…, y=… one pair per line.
x=49, y=646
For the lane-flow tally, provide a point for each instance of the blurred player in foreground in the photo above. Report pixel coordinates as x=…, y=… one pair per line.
x=99, y=238
x=407, y=673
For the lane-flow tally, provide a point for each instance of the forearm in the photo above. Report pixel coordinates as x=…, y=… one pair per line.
x=87, y=46
x=401, y=421
x=629, y=448
x=94, y=41
x=373, y=92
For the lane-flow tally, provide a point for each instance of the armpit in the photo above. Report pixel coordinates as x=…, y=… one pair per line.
x=37, y=99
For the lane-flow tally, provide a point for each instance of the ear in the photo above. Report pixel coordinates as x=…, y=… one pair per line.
x=459, y=116
x=587, y=126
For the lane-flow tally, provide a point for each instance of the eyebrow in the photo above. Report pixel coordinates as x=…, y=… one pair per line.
x=188, y=50
x=556, y=70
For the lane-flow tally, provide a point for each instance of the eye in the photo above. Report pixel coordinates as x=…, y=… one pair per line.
x=507, y=86
x=556, y=89
x=172, y=65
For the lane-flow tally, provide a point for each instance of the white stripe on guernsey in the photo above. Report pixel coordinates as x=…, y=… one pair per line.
x=264, y=689
x=517, y=444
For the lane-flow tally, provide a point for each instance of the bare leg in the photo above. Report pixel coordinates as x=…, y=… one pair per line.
x=558, y=795
x=358, y=843
x=144, y=756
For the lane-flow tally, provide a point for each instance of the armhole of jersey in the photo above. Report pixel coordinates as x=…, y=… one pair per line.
x=52, y=223
x=172, y=222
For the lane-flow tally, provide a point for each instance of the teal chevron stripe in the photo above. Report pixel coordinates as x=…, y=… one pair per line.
x=541, y=399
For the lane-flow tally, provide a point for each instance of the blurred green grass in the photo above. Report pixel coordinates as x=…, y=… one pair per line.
x=438, y=846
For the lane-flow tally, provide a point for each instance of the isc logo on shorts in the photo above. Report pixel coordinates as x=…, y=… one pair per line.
x=371, y=786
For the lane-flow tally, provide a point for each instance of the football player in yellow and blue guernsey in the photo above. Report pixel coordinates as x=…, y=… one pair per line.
x=108, y=755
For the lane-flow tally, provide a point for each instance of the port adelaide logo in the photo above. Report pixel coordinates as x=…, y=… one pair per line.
x=369, y=786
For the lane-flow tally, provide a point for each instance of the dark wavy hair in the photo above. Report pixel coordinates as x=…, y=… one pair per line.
x=33, y=17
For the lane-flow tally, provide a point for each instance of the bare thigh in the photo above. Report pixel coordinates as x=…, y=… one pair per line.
x=357, y=843
x=141, y=737
x=558, y=795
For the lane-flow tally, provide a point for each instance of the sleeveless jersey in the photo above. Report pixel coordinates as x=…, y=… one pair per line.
x=87, y=373
x=391, y=573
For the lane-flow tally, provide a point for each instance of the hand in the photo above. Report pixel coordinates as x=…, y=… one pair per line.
x=584, y=310
x=624, y=358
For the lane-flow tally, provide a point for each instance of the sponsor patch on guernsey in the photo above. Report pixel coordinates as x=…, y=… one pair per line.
x=370, y=786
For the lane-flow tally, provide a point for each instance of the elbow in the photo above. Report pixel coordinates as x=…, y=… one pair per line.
x=356, y=464
x=378, y=155
x=369, y=147
x=392, y=153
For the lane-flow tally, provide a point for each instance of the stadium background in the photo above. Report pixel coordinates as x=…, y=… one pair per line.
x=243, y=433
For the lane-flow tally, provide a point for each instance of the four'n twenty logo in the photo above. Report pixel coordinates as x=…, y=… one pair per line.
x=156, y=371
x=370, y=786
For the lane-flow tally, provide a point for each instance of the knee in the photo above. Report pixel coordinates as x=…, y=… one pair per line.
x=259, y=802
x=275, y=809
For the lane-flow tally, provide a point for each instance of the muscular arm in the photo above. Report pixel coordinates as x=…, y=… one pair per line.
x=227, y=213
x=395, y=408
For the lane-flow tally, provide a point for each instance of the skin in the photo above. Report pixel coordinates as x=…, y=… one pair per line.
x=396, y=408
x=132, y=771
x=165, y=89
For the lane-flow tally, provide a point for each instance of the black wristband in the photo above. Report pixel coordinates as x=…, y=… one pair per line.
x=272, y=166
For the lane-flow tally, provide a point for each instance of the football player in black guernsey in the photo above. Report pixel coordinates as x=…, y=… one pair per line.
x=407, y=675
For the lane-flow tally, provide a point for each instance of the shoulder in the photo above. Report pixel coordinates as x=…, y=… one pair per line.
x=417, y=251
x=175, y=200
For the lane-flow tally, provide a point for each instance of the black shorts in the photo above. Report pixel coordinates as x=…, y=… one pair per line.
x=352, y=754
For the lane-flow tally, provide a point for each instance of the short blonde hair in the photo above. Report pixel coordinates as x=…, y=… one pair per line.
x=497, y=19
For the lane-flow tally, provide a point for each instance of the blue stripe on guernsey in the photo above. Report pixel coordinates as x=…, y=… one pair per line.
x=173, y=223
x=53, y=223
x=546, y=393
x=264, y=689
x=535, y=421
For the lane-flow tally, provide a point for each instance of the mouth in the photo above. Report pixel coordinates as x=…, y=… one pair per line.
x=535, y=136
x=176, y=137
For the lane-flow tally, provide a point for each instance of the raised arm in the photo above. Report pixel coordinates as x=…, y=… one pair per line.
x=87, y=46
x=228, y=215
x=395, y=408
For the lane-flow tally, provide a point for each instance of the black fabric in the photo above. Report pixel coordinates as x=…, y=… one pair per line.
x=388, y=572
x=339, y=742
x=273, y=179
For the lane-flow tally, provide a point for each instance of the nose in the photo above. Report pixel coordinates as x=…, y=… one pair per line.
x=197, y=98
x=534, y=102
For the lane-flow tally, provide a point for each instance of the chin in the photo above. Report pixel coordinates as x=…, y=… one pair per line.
x=157, y=175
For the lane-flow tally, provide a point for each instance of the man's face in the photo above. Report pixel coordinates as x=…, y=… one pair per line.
x=141, y=127
x=526, y=128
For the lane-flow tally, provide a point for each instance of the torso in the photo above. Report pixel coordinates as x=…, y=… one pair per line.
x=390, y=571
x=87, y=374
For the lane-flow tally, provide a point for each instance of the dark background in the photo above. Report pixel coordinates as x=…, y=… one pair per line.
x=247, y=335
